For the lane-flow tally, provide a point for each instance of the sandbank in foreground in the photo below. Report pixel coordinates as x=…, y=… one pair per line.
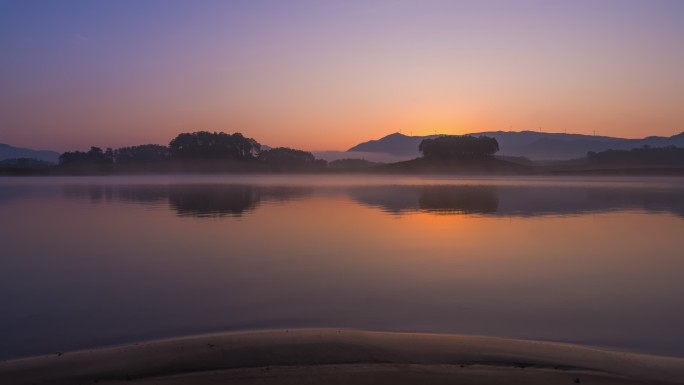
x=332, y=356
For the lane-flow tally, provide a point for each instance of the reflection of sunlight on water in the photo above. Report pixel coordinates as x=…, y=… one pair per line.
x=589, y=263
x=217, y=196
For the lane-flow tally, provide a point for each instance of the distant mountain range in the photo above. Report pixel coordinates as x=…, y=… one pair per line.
x=398, y=147
x=395, y=144
x=531, y=144
x=10, y=152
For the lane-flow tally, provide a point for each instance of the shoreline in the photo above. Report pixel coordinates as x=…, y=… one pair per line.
x=343, y=356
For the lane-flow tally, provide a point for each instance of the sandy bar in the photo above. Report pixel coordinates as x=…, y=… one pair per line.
x=333, y=356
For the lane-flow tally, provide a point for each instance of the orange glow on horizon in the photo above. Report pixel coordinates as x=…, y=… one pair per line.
x=313, y=82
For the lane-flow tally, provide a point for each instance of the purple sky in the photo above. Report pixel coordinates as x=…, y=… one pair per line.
x=328, y=74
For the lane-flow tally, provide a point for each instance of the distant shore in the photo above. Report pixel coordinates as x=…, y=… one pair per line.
x=338, y=356
x=419, y=166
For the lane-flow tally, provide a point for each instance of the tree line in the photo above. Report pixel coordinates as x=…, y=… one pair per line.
x=455, y=147
x=195, y=146
x=644, y=156
x=219, y=151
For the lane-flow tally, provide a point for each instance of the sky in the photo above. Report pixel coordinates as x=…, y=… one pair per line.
x=326, y=75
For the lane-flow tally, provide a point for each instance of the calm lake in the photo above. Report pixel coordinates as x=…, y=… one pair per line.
x=92, y=261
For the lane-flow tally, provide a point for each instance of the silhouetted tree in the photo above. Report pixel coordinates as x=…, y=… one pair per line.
x=452, y=146
x=145, y=153
x=94, y=156
x=647, y=156
x=216, y=145
x=287, y=156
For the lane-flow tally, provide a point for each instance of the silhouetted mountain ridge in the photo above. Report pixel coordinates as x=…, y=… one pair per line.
x=395, y=144
x=531, y=144
x=11, y=152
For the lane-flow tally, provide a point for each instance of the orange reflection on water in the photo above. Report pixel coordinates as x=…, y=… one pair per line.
x=589, y=263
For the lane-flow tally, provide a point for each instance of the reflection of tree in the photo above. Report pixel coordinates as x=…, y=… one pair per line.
x=117, y=193
x=207, y=200
x=459, y=199
x=437, y=199
x=390, y=199
x=520, y=200
x=213, y=200
x=200, y=200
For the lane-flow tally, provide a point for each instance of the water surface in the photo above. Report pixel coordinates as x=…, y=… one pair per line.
x=94, y=261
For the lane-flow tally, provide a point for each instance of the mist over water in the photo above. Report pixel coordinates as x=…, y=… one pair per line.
x=93, y=261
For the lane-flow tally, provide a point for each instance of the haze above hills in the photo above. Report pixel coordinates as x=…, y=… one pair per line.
x=530, y=144
x=398, y=147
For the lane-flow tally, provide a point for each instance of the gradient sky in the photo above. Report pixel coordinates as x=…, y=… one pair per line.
x=328, y=74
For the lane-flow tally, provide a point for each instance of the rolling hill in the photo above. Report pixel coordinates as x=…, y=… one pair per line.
x=10, y=152
x=531, y=144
